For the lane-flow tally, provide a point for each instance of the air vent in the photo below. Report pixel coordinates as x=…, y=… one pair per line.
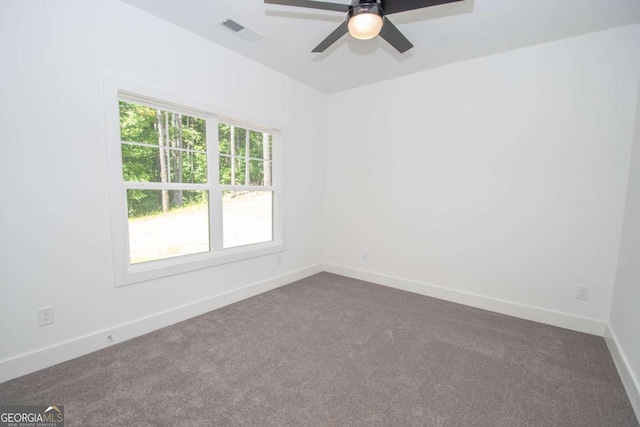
x=237, y=28
x=232, y=25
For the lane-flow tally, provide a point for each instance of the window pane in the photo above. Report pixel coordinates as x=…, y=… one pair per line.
x=146, y=125
x=240, y=168
x=194, y=133
x=138, y=123
x=225, y=170
x=143, y=164
x=224, y=138
x=240, y=138
x=259, y=172
x=255, y=144
x=260, y=145
x=180, y=143
x=183, y=229
x=187, y=132
x=140, y=164
x=247, y=217
x=194, y=167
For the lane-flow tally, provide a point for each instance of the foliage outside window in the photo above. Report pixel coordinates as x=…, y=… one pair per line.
x=194, y=184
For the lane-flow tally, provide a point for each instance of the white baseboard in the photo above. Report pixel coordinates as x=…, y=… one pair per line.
x=536, y=314
x=628, y=377
x=49, y=356
x=61, y=352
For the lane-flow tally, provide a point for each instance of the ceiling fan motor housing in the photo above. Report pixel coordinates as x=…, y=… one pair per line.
x=360, y=7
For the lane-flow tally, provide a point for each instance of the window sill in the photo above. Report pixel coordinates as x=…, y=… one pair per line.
x=169, y=267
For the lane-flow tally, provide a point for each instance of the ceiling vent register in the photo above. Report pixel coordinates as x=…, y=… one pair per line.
x=239, y=29
x=232, y=25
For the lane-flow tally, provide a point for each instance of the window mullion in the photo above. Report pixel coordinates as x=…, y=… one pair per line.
x=246, y=158
x=232, y=142
x=276, y=185
x=134, y=185
x=167, y=145
x=215, y=193
x=247, y=188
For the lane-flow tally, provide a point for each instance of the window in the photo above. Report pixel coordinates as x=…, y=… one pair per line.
x=245, y=177
x=165, y=169
x=189, y=188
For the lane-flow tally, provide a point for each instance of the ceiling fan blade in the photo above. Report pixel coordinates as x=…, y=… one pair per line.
x=332, y=38
x=396, y=6
x=394, y=37
x=312, y=4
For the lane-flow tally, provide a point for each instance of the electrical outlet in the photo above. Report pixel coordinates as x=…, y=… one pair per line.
x=278, y=259
x=45, y=316
x=365, y=255
x=582, y=293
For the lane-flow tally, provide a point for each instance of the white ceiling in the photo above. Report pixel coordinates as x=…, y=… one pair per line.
x=441, y=34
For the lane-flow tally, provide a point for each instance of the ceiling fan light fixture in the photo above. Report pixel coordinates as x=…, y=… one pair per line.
x=365, y=21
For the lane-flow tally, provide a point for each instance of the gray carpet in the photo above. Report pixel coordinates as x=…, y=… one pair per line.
x=333, y=351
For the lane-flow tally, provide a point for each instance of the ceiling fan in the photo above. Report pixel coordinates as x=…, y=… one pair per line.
x=366, y=19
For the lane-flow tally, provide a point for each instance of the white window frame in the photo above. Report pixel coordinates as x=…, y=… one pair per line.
x=125, y=273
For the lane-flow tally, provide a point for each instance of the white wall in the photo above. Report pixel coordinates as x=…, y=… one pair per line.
x=55, y=242
x=624, y=323
x=503, y=176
